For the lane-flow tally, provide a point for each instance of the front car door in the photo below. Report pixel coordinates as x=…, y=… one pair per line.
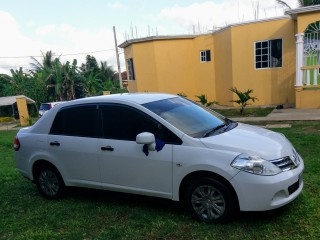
x=123, y=163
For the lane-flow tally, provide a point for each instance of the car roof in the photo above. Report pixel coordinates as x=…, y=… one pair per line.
x=138, y=98
x=45, y=122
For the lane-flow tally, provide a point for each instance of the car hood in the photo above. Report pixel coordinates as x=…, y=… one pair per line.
x=251, y=140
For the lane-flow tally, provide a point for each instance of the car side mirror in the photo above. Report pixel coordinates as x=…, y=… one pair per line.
x=148, y=139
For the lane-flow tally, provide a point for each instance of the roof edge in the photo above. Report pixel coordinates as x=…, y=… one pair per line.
x=192, y=36
x=251, y=22
x=152, y=38
x=294, y=12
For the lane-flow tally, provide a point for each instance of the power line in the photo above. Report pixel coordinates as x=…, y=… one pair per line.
x=67, y=54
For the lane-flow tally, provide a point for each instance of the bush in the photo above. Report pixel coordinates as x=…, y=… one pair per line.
x=244, y=97
x=204, y=101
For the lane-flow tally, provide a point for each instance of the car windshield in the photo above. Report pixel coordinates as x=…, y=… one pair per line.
x=45, y=106
x=190, y=118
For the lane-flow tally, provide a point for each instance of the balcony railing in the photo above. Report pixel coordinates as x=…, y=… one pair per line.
x=310, y=75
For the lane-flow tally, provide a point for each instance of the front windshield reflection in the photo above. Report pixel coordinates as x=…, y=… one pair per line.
x=187, y=116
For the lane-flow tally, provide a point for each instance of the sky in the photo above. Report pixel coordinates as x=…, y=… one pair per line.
x=73, y=29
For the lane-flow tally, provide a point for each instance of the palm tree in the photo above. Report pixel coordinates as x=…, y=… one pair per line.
x=47, y=62
x=106, y=72
x=243, y=97
x=301, y=3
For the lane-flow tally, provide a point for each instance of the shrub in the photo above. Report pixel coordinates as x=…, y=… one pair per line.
x=244, y=97
x=204, y=101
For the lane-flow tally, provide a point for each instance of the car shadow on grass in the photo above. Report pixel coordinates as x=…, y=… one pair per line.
x=165, y=205
x=95, y=195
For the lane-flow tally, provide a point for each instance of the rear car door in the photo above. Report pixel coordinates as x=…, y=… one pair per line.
x=72, y=142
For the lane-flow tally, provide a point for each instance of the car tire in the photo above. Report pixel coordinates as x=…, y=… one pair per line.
x=210, y=200
x=49, y=182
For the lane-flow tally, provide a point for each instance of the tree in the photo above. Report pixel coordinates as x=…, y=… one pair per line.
x=301, y=3
x=244, y=97
x=51, y=80
x=59, y=78
x=4, y=82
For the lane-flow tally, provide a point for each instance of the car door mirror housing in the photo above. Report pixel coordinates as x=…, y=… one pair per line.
x=145, y=138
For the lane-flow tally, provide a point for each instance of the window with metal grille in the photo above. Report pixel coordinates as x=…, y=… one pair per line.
x=311, y=45
x=130, y=69
x=205, y=56
x=268, y=54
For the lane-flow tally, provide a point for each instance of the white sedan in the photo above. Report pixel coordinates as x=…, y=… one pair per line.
x=164, y=146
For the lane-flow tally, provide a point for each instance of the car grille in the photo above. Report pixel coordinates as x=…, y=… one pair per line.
x=293, y=187
x=284, y=164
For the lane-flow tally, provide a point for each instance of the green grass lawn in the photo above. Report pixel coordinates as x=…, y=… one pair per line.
x=91, y=214
x=248, y=112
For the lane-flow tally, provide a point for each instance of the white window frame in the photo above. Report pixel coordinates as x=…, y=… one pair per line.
x=204, y=57
x=268, y=54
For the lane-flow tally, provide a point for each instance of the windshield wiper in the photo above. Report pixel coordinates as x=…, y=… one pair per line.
x=206, y=134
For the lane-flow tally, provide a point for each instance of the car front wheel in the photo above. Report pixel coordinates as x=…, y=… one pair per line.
x=49, y=182
x=210, y=201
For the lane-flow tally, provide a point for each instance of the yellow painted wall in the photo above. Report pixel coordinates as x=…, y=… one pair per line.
x=144, y=66
x=23, y=111
x=272, y=85
x=223, y=66
x=132, y=86
x=204, y=75
x=173, y=62
x=173, y=66
x=307, y=97
x=304, y=19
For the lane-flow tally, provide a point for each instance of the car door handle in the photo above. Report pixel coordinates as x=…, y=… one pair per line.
x=55, y=143
x=108, y=148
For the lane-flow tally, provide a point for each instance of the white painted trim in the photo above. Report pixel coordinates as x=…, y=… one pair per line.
x=299, y=59
x=268, y=40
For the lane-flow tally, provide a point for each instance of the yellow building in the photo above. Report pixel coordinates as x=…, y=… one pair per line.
x=278, y=58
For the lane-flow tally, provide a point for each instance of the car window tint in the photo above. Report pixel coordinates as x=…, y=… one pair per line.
x=44, y=107
x=125, y=123
x=76, y=121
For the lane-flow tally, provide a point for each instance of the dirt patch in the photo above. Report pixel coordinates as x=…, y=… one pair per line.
x=280, y=125
x=311, y=129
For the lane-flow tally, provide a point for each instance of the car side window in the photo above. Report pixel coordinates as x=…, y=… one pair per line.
x=125, y=123
x=78, y=121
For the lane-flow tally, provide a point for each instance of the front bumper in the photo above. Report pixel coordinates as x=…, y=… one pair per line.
x=261, y=193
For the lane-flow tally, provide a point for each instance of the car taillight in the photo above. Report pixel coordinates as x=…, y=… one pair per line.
x=16, y=143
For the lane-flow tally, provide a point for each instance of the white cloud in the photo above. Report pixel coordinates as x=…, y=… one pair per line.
x=30, y=23
x=209, y=14
x=69, y=40
x=116, y=5
x=61, y=39
x=45, y=30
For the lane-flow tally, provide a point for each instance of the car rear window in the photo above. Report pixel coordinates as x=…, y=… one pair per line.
x=78, y=121
x=44, y=106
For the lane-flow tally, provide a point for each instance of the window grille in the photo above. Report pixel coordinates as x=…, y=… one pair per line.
x=205, y=56
x=268, y=54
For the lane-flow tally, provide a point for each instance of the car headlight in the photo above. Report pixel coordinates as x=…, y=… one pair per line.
x=296, y=157
x=255, y=165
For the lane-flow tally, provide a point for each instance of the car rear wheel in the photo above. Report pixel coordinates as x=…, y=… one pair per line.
x=210, y=201
x=49, y=182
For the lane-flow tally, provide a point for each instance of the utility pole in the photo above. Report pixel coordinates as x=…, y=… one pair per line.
x=117, y=53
